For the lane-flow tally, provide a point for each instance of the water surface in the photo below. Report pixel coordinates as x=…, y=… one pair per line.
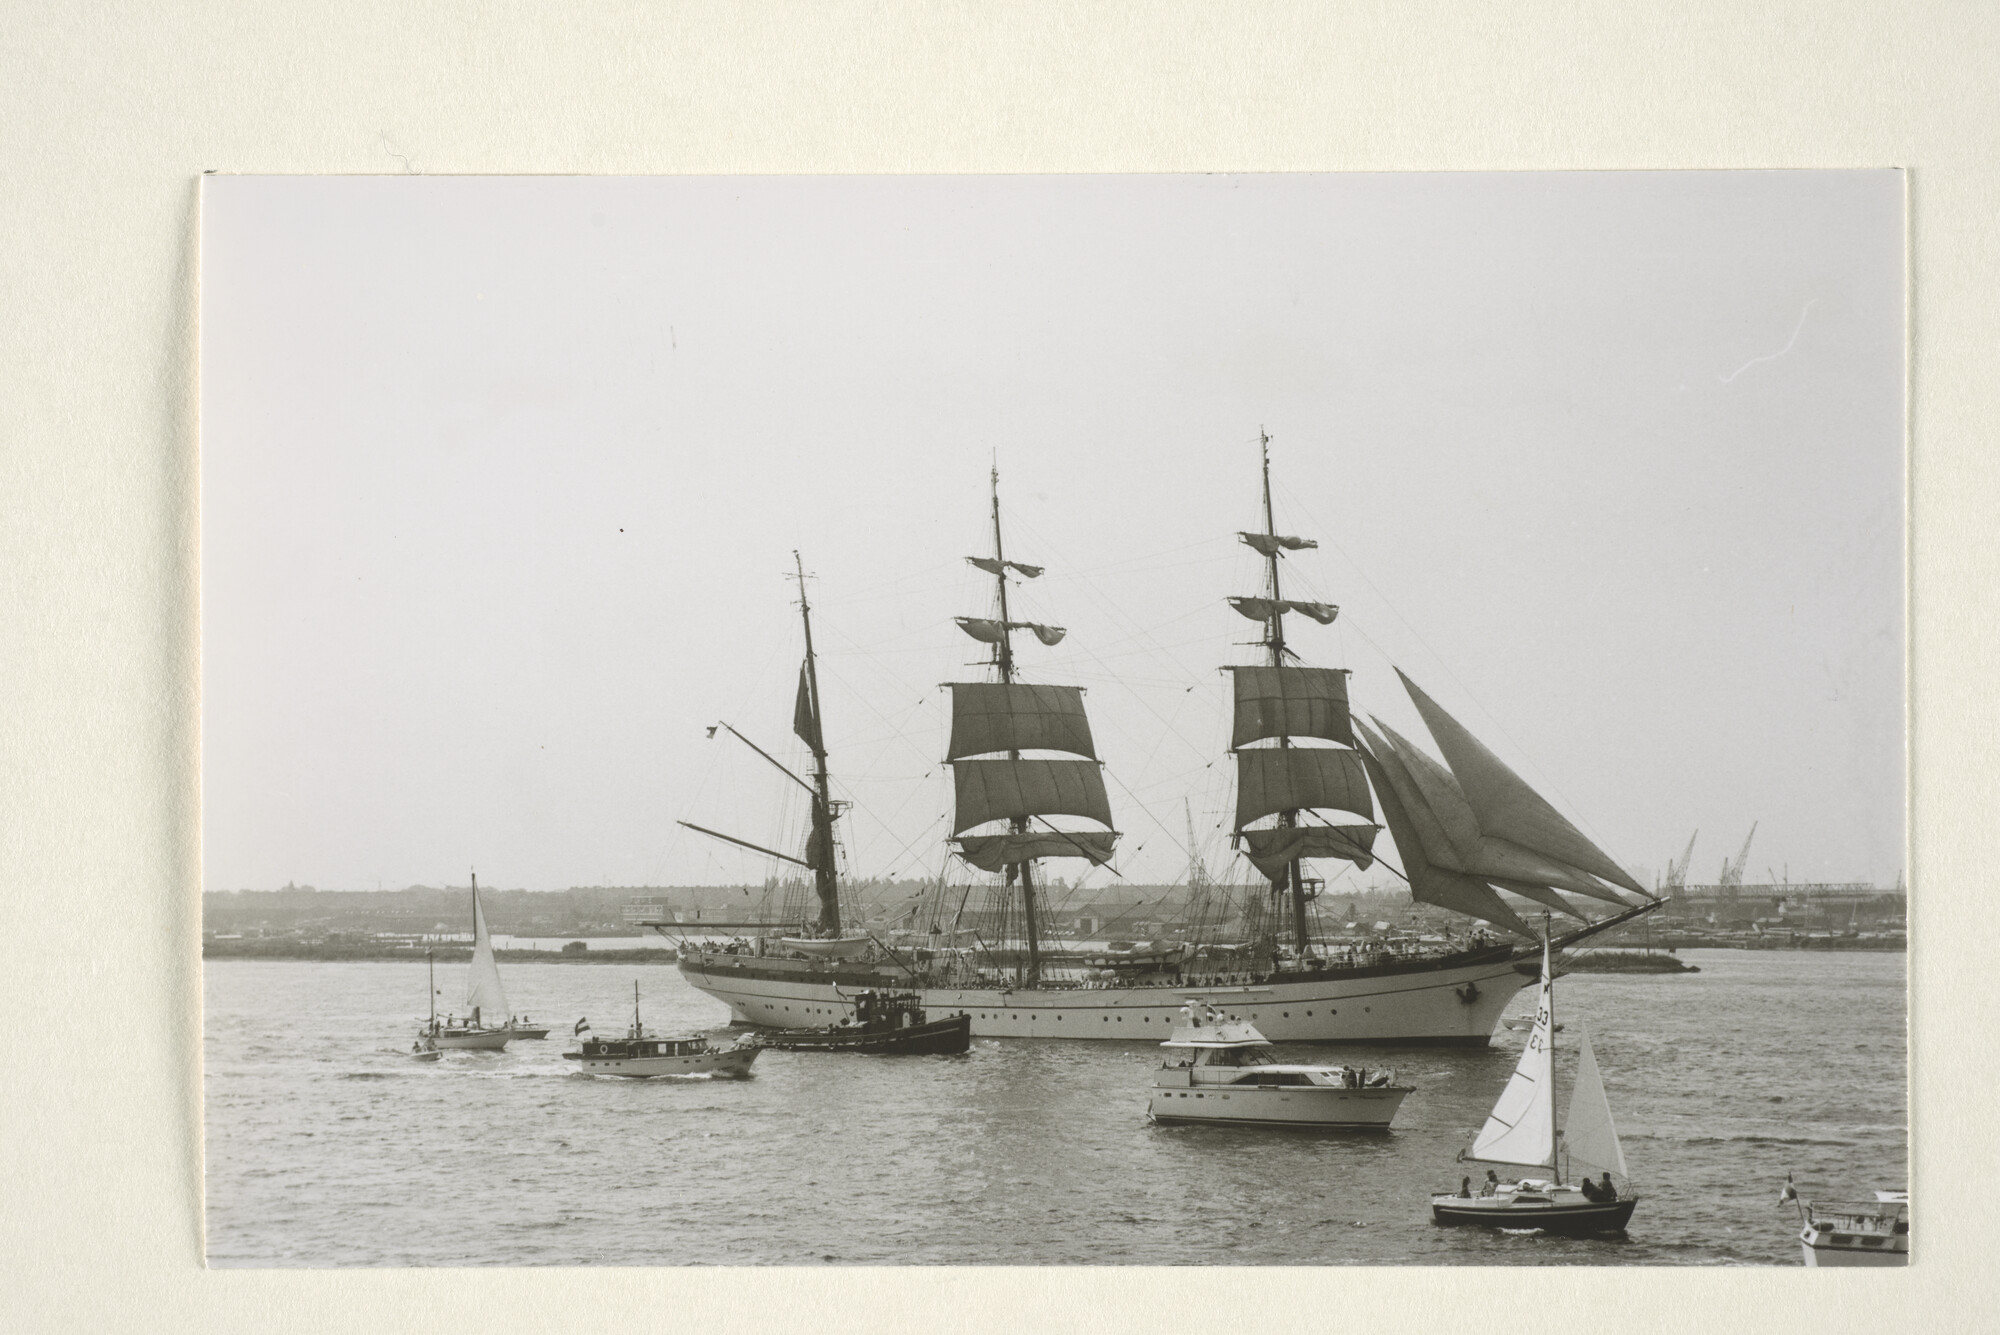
x=327, y=1146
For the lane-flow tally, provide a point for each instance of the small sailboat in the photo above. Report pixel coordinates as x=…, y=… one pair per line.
x=483, y=996
x=425, y=1049
x=1521, y=1132
x=640, y=1055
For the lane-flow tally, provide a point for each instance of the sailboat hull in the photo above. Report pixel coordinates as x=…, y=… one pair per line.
x=1425, y=1002
x=1563, y=1214
x=479, y=1040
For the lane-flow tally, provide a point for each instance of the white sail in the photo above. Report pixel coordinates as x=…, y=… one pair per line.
x=483, y=991
x=1522, y=1126
x=1588, y=1135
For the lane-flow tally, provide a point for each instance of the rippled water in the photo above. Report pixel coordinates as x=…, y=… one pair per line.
x=328, y=1146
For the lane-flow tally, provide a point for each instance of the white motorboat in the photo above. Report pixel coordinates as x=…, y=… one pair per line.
x=1219, y=1070
x=640, y=1055
x=1521, y=1131
x=1857, y=1233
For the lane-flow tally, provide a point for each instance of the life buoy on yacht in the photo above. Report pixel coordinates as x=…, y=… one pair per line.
x=1469, y=993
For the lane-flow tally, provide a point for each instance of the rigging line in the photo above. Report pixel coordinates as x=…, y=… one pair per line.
x=1443, y=665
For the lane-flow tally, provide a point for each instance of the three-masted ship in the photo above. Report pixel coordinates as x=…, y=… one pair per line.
x=1309, y=775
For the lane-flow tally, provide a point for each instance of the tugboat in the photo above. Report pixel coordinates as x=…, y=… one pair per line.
x=640, y=1055
x=883, y=1022
x=1228, y=1077
x=1521, y=1131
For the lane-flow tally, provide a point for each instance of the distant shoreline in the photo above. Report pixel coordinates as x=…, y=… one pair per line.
x=341, y=953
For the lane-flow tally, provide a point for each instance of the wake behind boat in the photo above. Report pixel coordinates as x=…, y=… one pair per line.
x=1521, y=1132
x=1468, y=828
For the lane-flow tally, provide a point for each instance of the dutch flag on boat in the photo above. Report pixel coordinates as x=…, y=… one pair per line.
x=581, y=1026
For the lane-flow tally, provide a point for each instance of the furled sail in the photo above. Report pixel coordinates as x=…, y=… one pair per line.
x=1429, y=883
x=1014, y=716
x=483, y=992
x=1290, y=702
x=1522, y=1126
x=1506, y=806
x=1589, y=1137
x=1469, y=849
x=1009, y=789
x=803, y=722
x=992, y=632
x=1261, y=609
x=1272, y=851
x=1270, y=780
x=1270, y=544
x=991, y=852
x=993, y=567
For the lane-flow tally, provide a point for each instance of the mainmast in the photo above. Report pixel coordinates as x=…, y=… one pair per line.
x=992, y=724
x=1281, y=702
x=806, y=722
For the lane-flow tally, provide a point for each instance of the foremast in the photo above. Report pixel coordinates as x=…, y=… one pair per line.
x=1281, y=702
x=806, y=723
x=1005, y=718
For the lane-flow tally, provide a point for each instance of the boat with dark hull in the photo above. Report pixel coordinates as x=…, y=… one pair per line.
x=1473, y=837
x=1522, y=1132
x=888, y=1023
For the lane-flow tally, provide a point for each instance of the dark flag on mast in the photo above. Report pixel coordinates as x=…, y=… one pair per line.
x=803, y=722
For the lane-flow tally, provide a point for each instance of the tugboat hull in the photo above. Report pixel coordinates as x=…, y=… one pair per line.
x=937, y=1037
x=1554, y=1216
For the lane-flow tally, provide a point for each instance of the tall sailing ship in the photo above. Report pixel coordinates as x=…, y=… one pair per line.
x=1023, y=758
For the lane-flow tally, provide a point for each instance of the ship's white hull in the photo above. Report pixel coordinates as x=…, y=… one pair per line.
x=1459, y=1005
x=1821, y=1250
x=478, y=1040
x=1280, y=1105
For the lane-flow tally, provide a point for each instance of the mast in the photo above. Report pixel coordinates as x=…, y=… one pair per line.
x=475, y=935
x=430, y=961
x=1003, y=659
x=1555, y=1134
x=1275, y=642
x=826, y=882
x=992, y=724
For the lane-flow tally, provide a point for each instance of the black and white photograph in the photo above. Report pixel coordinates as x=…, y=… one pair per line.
x=1325, y=719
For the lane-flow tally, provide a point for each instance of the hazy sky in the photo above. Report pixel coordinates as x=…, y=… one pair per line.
x=502, y=477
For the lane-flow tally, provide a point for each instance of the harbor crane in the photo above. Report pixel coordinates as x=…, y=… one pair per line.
x=1732, y=872
x=1677, y=868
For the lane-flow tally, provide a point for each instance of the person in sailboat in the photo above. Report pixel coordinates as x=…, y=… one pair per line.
x=1492, y=1186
